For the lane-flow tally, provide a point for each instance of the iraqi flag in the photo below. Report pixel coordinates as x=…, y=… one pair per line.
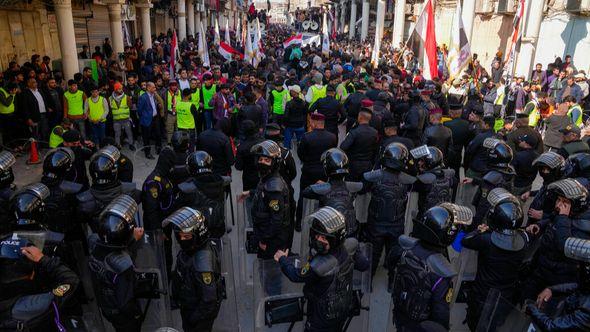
x=459, y=50
x=515, y=41
x=227, y=51
x=293, y=40
x=422, y=42
x=173, y=53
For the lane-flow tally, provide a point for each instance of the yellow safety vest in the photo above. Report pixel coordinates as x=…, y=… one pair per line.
x=6, y=109
x=208, y=94
x=280, y=98
x=120, y=111
x=534, y=114
x=317, y=93
x=169, y=99
x=344, y=95
x=184, y=117
x=54, y=139
x=578, y=121
x=75, y=102
x=196, y=98
x=96, y=110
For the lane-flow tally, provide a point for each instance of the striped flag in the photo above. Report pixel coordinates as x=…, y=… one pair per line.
x=422, y=42
x=459, y=50
x=173, y=53
x=293, y=40
x=515, y=41
x=227, y=51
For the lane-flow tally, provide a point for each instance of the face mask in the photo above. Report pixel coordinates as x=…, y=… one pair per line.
x=263, y=169
x=319, y=247
x=186, y=245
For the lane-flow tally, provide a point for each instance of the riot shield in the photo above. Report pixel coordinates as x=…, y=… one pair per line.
x=466, y=266
x=277, y=300
x=361, y=285
x=499, y=315
x=309, y=207
x=246, y=248
x=465, y=194
x=150, y=267
x=411, y=212
x=227, y=318
x=361, y=207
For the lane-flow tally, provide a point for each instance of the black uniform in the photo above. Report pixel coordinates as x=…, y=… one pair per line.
x=180, y=172
x=352, y=105
x=476, y=155
x=78, y=173
x=438, y=136
x=328, y=285
x=332, y=110
x=492, y=179
x=385, y=141
x=422, y=288
x=461, y=137
x=360, y=145
x=5, y=215
x=310, y=150
x=525, y=172
x=125, y=171
x=246, y=161
x=386, y=218
x=91, y=202
x=271, y=215
x=60, y=206
x=197, y=287
x=217, y=145
x=574, y=316
x=413, y=123
x=434, y=187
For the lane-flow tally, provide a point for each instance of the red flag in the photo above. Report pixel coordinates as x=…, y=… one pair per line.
x=297, y=39
x=227, y=51
x=422, y=42
x=173, y=52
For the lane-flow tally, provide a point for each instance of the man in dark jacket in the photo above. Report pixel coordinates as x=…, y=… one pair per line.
x=245, y=160
x=33, y=106
x=475, y=160
x=414, y=119
x=352, y=104
x=522, y=128
x=216, y=143
x=436, y=134
x=331, y=109
x=294, y=117
x=360, y=145
x=250, y=111
x=460, y=136
x=571, y=142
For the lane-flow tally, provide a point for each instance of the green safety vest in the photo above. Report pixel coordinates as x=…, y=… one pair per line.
x=169, y=99
x=96, y=110
x=534, y=114
x=196, y=98
x=280, y=98
x=75, y=102
x=208, y=94
x=141, y=92
x=498, y=124
x=317, y=93
x=578, y=121
x=184, y=117
x=121, y=111
x=344, y=94
x=54, y=139
x=6, y=109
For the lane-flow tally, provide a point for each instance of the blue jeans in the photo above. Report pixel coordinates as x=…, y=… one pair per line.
x=289, y=131
x=208, y=118
x=98, y=132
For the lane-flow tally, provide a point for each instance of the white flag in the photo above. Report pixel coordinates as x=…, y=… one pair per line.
x=227, y=38
x=459, y=49
x=203, y=48
x=216, y=38
x=239, y=31
x=248, y=52
x=325, y=37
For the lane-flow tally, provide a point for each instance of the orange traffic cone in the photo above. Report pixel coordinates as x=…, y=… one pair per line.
x=33, y=153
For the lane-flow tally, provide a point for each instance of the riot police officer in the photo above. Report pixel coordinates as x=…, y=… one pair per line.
x=197, y=284
x=113, y=275
x=574, y=316
x=435, y=183
x=500, y=174
x=157, y=193
x=501, y=244
x=60, y=206
x=205, y=191
x=337, y=193
x=33, y=286
x=361, y=145
x=570, y=200
x=27, y=207
x=328, y=274
x=422, y=288
x=6, y=189
x=270, y=202
x=125, y=172
x=105, y=185
x=549, y=166
x=389, y=187
x=181, y=144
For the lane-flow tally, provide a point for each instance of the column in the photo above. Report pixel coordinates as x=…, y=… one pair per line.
x=181, y=20
x=468, y=14
x=352, y=25
x=399, y=20
x=116, y=27
x=166, y=21
x=146, y=28
x=67, y=38
x=528, y=48
x=190, y=12
x=197, y=23
x=342, y=16
x=365, y=22
x=378, y=32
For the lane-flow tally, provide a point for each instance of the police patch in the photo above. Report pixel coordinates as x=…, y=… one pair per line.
x=154, y=192
x=207, y=278
x=449, y=296
x=305, y=269
x=61, y=290
x=274, y=205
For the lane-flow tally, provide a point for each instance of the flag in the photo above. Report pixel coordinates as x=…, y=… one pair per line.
x=293, y=40
x=227, y=38
x=422, y=42
x=216, y=38
x=239, y=30
x=257, y=49
x=510, y=60
x=325, y=37
x=173, y=53
x=248, y=51
x=459, y=50
x=203, y=48
x=335, y=22
x=227, y=51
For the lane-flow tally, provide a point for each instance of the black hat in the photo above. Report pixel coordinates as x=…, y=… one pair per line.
x=570, y=129
x=71, y=136
x=529, y=139
x=186, y=92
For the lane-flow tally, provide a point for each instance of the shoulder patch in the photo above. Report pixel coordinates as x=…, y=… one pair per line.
x=449, y=296
x=305, y=269
x=154, y=192
x=207, y=277
x=274, y=205
x=157, y=178
x=61, y=290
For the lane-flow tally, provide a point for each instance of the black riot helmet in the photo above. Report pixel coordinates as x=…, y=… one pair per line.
x=198, y=162
x=577, y=165
x=427, y=158
x=180, y=141
x=6, y=175
x=440, y=224
x=499, y=155
x=268, y=149
x=579, y=249
x=28, y=205
x=188, y=220
x=335, y=162
x=117, y=221
x=104, y=166
x=550, y=166
x=395, y=157
x=57, y=163
x=505, y=210
x=330, y=223
x=572, y=189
